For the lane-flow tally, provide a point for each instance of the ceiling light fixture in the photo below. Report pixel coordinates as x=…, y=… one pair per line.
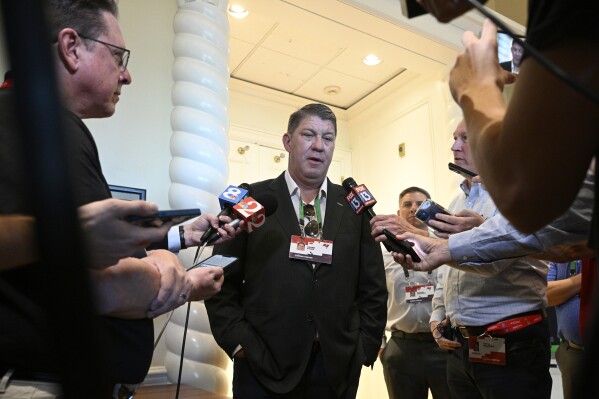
x=371, y=60
x=237, y=11
x=332, y=90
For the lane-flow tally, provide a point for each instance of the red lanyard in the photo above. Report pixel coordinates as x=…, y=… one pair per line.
x=6, y=84
x=511, y=325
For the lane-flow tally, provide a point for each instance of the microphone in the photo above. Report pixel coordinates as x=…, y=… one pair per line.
x=361, y=200
x=228, y=199
x=233, y=195
x=252, y=211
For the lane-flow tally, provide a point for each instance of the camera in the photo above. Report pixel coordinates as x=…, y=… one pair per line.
x=447, y=331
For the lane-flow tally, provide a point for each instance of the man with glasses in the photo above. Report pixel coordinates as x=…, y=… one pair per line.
x=91, y=67
x=300, y=324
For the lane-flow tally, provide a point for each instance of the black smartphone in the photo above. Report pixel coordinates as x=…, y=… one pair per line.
x=447, y=331
x=411, y=8
x=427, y=211
x=215, y=260
x=509, y=51
x=394, y=245
x=460, y=171
x=159, y=218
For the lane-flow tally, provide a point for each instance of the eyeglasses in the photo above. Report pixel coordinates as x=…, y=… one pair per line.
x=312, y=228
x=121, y=55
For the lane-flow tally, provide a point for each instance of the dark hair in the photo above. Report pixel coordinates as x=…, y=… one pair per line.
x=84, y=16
x=319, y=110
x=414, y=189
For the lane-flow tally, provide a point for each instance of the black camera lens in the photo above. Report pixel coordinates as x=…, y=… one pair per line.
x=422, y=215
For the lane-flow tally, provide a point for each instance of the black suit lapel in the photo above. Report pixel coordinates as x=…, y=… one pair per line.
x=285, y=213
x=334, y=211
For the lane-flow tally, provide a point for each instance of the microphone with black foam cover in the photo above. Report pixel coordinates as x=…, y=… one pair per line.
x=360, y=199
x=252, y=211
x=228, y=199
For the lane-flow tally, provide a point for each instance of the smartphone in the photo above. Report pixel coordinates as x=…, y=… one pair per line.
x=411, y=8
x=159, y=218
x=509, y=51
x=394, y=245
x=215, y=260
x=460, y=171
x=427, y=211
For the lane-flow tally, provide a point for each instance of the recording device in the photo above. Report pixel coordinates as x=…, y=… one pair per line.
x=460, y=171
x=427, y=211
x=216, y=261
x=161, y=217
x=228, y=199
x=411, y=8
x=253, y=211
x=361, y=200
x=447, y=331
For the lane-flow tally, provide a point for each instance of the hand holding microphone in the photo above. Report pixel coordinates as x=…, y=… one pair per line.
x=361, y=200
x=195, y=234
x=228, y=199
x=252, y=212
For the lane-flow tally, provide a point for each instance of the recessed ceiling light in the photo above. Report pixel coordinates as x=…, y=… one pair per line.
x=237, y=11
x=332, y=90
x=371, y=60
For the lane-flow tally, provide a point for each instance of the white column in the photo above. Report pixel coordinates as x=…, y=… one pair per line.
x=198, y=169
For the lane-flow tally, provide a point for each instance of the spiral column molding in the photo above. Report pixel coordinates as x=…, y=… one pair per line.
x=198, y=169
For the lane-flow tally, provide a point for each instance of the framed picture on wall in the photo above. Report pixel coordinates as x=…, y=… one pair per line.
x=127, y=193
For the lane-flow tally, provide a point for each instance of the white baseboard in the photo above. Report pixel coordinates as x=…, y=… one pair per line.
x=156, y=376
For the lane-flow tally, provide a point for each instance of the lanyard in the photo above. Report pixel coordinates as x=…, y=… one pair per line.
x=316, y=209
x=428, y=276
x=511, y=325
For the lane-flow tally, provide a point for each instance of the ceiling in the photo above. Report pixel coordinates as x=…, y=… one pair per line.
x=314, y=48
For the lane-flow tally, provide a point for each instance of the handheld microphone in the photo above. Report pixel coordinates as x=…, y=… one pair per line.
x=361, y=200
x=233, y=195
x=252, y=211
x=228, y=199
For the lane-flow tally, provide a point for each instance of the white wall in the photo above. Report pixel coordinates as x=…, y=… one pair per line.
x=419, y=113
x=134, y=143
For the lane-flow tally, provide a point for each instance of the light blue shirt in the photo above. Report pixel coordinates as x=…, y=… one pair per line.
x=489, y=292
x=498, y=239
x=568, y=312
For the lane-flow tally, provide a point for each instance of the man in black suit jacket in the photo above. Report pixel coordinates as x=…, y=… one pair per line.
x=296, y=327
x=513, y=65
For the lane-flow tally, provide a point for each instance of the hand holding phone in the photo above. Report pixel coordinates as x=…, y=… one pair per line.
x=401, y=247
x=427, y=211
x=161, y=217
x=216, y=261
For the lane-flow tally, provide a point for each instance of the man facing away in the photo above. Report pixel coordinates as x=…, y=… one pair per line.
x=302, y=328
